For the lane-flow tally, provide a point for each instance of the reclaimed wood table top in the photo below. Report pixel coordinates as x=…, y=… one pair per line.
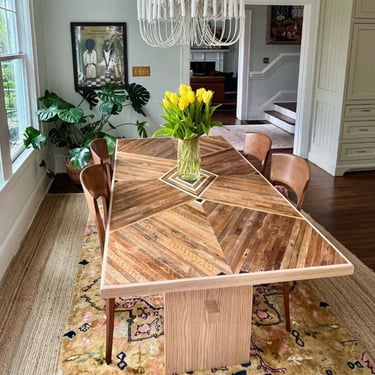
x=234, y=230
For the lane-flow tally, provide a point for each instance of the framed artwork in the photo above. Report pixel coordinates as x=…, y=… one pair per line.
x=284, y=24
x=99, y=54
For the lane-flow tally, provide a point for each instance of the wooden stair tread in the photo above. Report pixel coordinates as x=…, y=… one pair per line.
x=282, y=117
x=291, y=106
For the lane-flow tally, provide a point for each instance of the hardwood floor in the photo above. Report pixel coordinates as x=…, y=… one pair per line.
x=345, y=206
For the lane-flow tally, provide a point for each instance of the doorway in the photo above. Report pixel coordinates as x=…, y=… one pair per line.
x=306, y=70
x=305, y=77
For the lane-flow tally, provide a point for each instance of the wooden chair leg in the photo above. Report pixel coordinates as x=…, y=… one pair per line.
x=286, y=305
x=110, y=311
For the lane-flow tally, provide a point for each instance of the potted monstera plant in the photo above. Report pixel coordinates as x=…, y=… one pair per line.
x=74, y=129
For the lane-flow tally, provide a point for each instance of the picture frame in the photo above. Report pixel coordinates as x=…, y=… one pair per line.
x=284, y=24
x=99, y=51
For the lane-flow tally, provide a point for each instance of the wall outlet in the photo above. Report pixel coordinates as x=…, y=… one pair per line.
x=266, y=60
x=141, y=71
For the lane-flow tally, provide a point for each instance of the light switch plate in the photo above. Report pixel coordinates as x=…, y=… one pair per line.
x=141, y=71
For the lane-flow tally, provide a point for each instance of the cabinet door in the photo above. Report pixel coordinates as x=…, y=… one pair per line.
x=361, y=83
x=365, y=9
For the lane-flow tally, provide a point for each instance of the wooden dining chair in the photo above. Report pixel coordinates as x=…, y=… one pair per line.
x=293, y=173
x=94, y=181
x=258, y=146
x=290, y=174
x=100, y=155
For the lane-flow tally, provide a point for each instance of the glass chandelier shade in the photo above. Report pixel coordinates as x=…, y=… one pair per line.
x=215, y=23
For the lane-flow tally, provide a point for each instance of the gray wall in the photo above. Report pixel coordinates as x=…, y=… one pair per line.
x=55, y=54
x=259, y=48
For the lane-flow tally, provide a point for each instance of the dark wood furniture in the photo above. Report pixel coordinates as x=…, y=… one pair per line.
x=205, y=252
x=217, y=84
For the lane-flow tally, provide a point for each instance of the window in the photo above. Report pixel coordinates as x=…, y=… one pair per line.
x=17, y=81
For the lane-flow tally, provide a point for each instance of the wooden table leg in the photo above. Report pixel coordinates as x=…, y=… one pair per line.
x=207, y=328
x=110, y=311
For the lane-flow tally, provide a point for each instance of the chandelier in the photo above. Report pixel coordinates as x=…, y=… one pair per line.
x=165, y=23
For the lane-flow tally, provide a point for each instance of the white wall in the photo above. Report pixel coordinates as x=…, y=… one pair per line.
x=19, y=200
x=57, y=16
x=259, y=48
x=231, y=59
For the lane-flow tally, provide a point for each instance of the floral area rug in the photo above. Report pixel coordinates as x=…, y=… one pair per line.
x=235, y=135
x=317, y=344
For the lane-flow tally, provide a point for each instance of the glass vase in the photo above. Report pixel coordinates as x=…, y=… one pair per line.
x=188, y=159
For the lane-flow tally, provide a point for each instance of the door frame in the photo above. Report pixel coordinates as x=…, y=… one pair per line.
x=306, y=69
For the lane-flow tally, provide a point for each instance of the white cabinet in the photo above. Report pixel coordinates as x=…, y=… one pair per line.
x=364, y=9
x=357, y=140
x=361, y=82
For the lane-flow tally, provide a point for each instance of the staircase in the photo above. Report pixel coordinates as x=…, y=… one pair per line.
x=283, y=116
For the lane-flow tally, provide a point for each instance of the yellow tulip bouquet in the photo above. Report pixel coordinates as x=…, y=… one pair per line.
x=188, y=114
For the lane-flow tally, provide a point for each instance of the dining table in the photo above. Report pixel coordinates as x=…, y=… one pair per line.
x=203, y=245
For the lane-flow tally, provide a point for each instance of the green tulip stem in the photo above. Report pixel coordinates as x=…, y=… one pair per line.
x=188, y=159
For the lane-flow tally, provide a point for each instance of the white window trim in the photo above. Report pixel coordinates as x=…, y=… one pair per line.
x=27, y=44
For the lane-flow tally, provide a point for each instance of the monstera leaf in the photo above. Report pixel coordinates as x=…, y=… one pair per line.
x=112, y=93
x=50, y=99
x=138, y=96
x=79, y=157
x=90, y=96
x=34, y=138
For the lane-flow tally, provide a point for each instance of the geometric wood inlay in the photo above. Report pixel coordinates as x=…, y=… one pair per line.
x=194, y=188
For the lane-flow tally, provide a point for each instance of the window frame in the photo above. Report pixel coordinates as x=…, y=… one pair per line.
x=26, y=45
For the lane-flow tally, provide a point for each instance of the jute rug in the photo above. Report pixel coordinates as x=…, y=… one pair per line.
x=319, y=342
x=36, y=291
x=235, y=135
x=37, y=316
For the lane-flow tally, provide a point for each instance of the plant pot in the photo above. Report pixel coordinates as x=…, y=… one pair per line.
x=188, y=159
x=72, y=173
